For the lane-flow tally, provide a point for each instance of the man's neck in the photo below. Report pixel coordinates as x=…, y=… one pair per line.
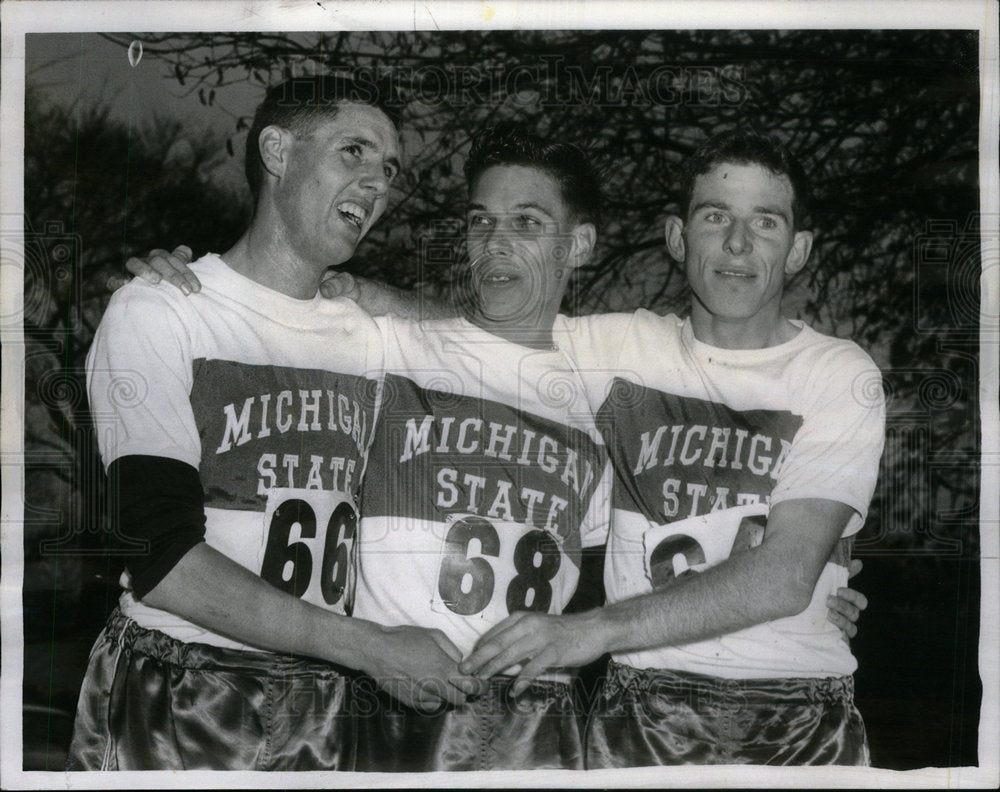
x=758, y=332
x=263, y=258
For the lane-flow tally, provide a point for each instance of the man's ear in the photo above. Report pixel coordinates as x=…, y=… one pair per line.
x=673, y=232
x=582, y=246
x=799, y=254
x=274, y=144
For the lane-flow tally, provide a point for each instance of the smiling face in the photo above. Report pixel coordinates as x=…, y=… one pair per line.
x=523, y=243
x=334, y=181
x=738, y=244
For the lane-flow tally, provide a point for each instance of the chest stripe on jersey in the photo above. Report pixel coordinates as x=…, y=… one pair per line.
x=678, y=456
x=265, y=427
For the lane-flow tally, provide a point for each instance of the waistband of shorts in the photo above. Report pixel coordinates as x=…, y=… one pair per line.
x=541, y=695
x=125, y=632
x=555, y=677
x=495, y=696
x=544, y=685
x=813, y=690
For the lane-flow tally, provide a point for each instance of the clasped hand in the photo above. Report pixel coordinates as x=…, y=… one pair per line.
x=538, y=642
x=419, y=667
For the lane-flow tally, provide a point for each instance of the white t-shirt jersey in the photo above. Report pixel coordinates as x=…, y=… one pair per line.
x=703, y=441
x=269, y=398
x=486, y=478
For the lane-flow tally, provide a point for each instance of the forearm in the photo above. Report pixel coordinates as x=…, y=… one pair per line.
x=698, y=607
x=211, y=590
x=772, y=581
x=751, y=588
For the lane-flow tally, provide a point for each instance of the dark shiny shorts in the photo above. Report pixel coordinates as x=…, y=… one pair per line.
x=150, y=702
x=538, y=729
x=644, y=718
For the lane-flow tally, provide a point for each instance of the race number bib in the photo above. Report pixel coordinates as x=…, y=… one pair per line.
x=688, y=546
x=489, y=568
x=307, y=552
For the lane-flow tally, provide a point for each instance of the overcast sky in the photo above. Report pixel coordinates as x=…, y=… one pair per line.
x=84, y=69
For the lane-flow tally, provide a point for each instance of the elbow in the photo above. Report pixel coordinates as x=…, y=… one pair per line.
x=154, y=599
x=793, y=579
x=793, y=597
x=799, y=601
x=159, y=595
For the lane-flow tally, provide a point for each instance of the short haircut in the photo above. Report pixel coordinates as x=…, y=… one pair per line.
x=569, y=165
x=303, y=103
x=747, y=147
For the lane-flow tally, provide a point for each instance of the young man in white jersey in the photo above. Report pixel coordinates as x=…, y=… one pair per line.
x=235, y=426
x=487, y=476
x=745, y=455
x=432, y=543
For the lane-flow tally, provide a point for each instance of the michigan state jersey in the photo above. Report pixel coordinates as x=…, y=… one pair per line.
x=268, y=397
x=486, y=479
x=704, y=441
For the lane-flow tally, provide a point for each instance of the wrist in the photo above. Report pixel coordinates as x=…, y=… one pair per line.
x=601, y=630
x=349, y=642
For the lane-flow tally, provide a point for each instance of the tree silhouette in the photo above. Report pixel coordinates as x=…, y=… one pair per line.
x=95, y=192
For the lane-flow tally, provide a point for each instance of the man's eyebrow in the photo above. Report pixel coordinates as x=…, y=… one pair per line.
x=537, y=207
x=526, y=205
x=709, y=205
x=771, y=210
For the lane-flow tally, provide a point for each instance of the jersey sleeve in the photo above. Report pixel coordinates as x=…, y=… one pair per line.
x=595, y=343
x=835, y=454
x=139, y=377
x=596, y=339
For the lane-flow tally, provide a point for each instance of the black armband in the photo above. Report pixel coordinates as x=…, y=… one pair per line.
x=159, y=503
